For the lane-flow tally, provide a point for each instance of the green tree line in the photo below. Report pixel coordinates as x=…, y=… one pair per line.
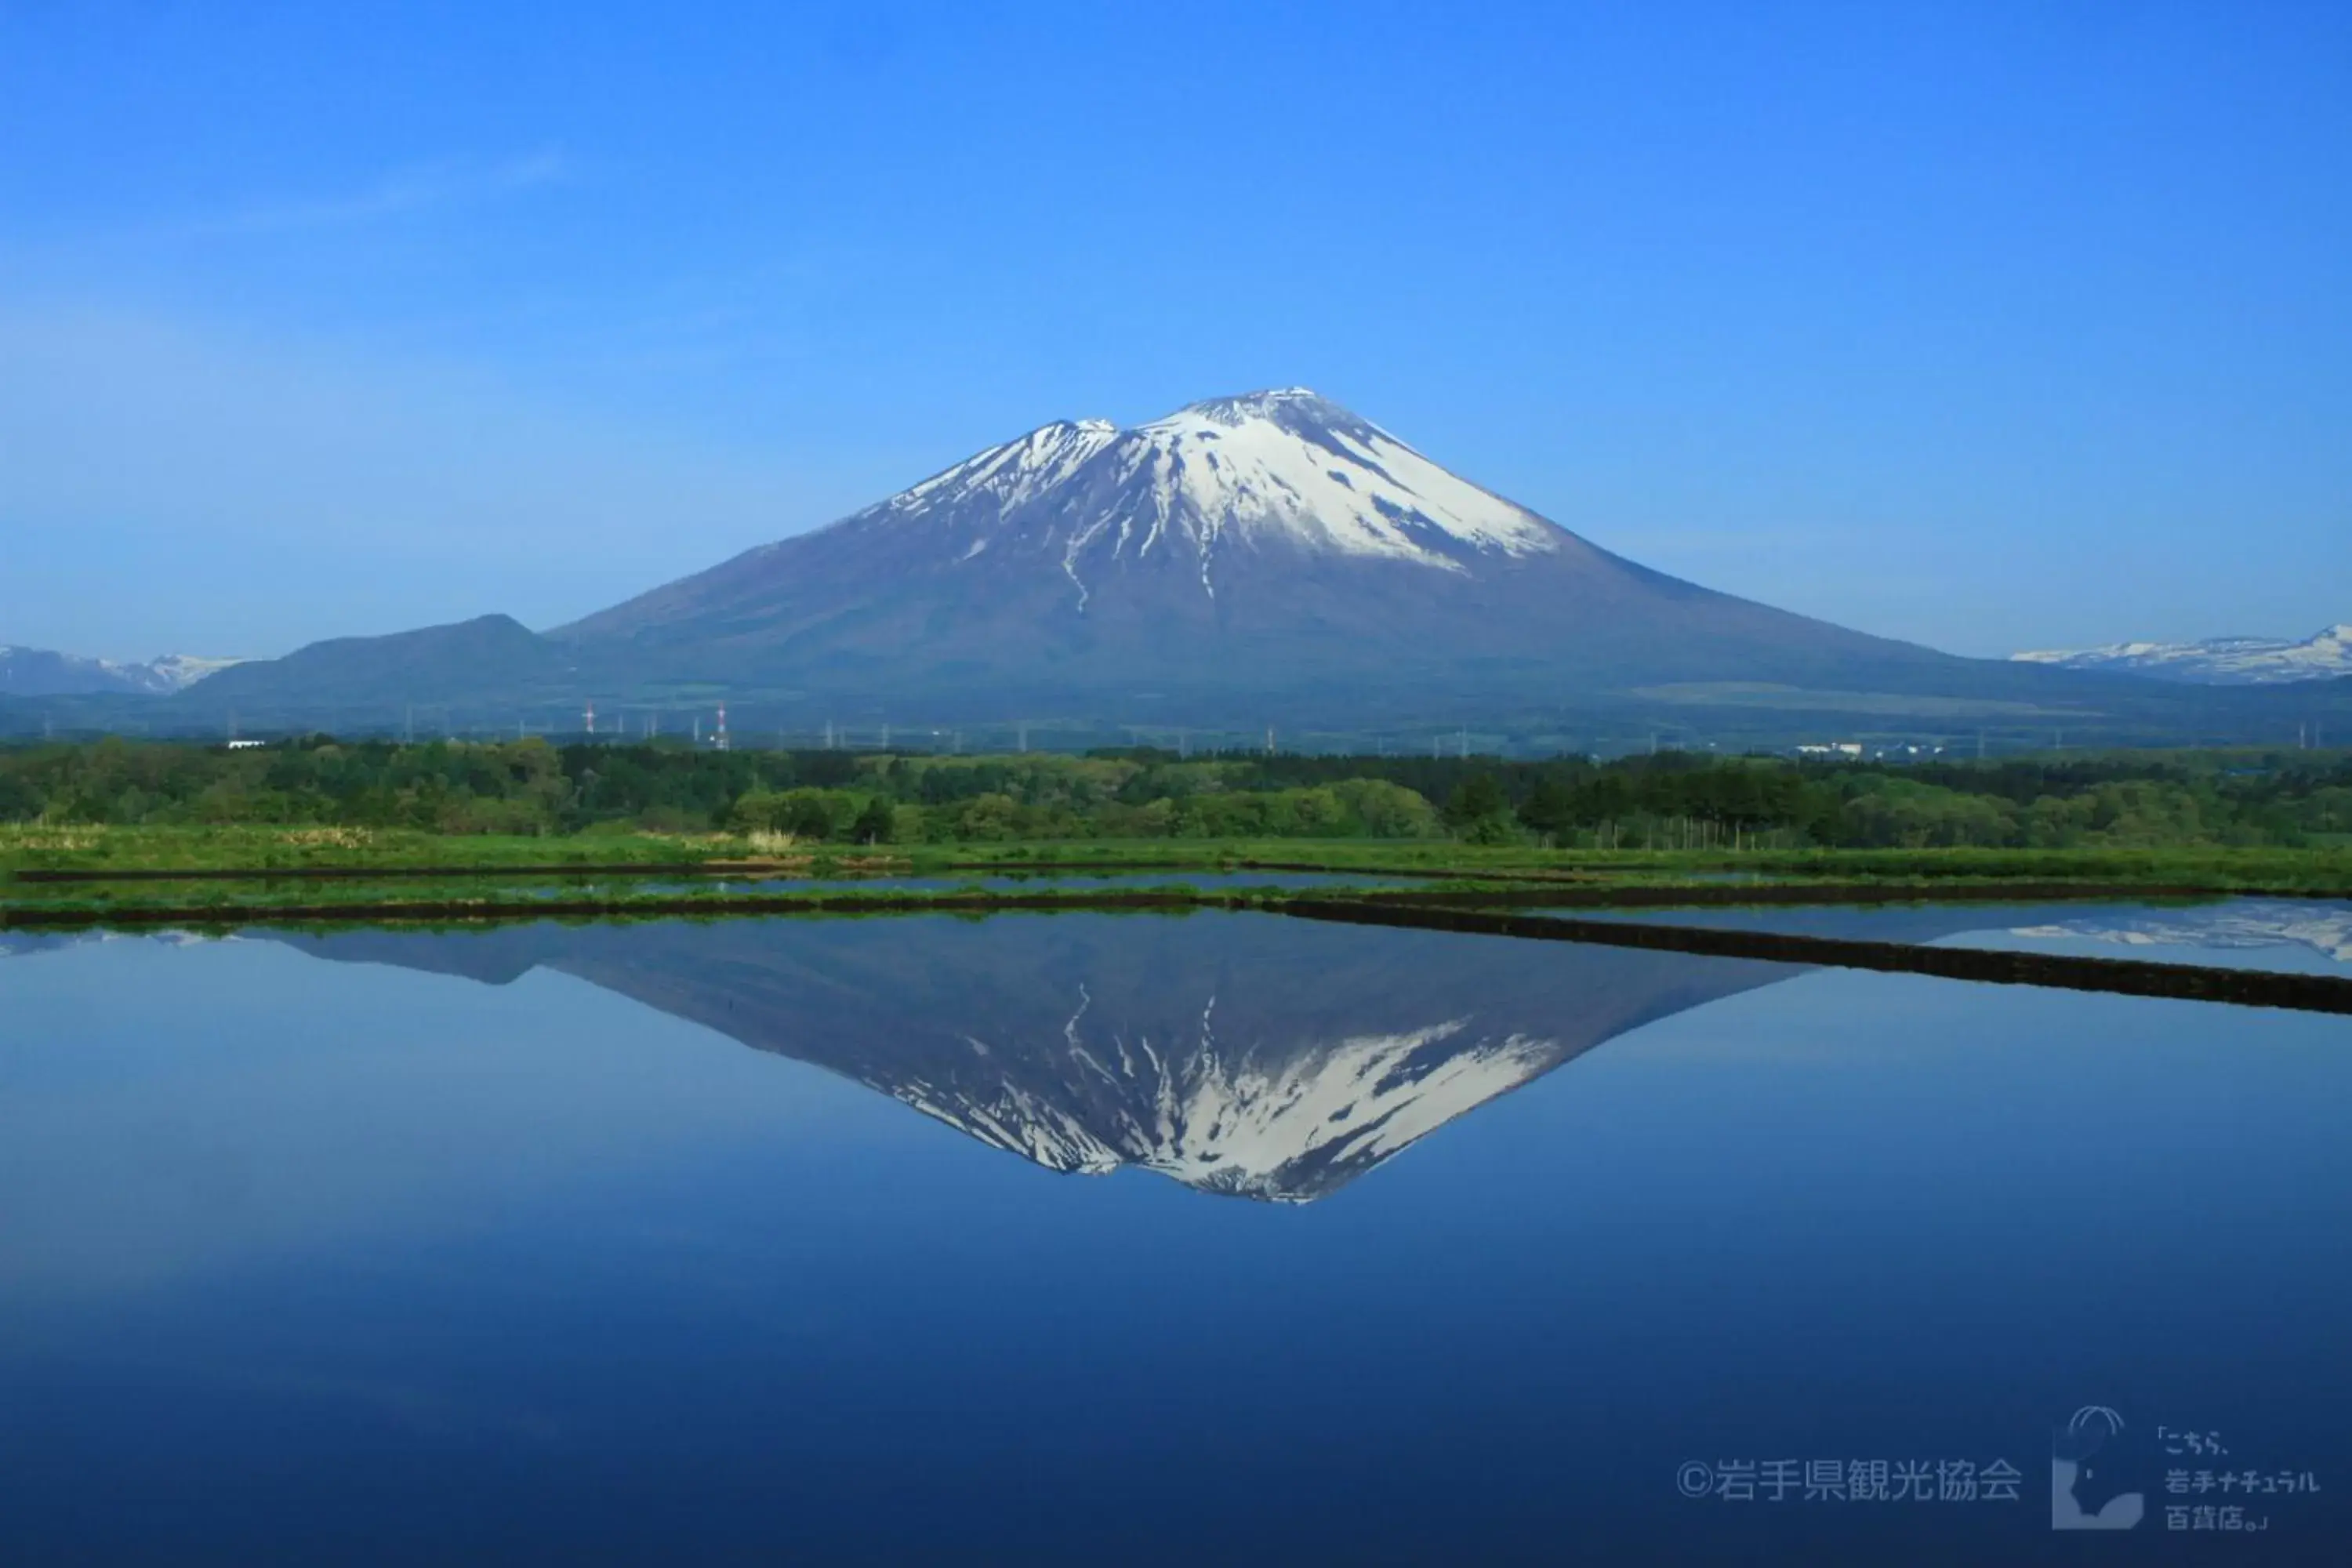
x=1673, y=799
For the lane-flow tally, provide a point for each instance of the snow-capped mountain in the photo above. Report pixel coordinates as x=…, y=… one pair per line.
x=1247, y=558
x=38, y=672
x=2217, y=661
x=1268, y=544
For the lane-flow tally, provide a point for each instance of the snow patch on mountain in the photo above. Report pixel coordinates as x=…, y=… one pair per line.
x=1009, y=476
x=1293, y=466
x=1285, y=1129
x=2217, y=661
x=41, y=672
x=178, y=671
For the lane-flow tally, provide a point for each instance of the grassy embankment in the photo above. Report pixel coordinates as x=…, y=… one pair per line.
x=156, y=874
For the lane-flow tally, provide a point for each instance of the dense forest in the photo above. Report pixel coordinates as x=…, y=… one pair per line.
x=1672, y=799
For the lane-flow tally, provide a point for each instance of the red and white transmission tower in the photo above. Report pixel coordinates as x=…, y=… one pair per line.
x=589, y=718
x=720, y=740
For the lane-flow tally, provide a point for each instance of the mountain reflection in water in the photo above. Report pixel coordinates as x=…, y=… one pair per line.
x=1238, y=1054
x=1245, y=1055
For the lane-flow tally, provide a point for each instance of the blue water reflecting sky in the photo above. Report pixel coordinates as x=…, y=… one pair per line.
x=314, y=1253
x=2291, y=935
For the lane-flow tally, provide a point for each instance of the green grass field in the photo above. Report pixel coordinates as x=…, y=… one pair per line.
x=149, y=873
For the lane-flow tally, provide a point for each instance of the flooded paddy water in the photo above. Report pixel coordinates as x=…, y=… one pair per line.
x=1220, y=1237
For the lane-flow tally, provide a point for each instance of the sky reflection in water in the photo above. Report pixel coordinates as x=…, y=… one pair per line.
x=398, y=1246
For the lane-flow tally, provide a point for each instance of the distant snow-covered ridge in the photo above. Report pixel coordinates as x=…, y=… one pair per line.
x=2217, y=661
x=41, y=672
x=2323, y=928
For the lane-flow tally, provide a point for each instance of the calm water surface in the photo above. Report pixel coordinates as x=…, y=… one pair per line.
x=2300, y=936
x=1144, y=1239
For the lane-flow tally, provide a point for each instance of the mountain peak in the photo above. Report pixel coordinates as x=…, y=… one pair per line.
x=1288, y=466
x=1270, y=403
x=1282, y=468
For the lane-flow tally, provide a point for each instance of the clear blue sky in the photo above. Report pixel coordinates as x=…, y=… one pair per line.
x=1991, y=326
